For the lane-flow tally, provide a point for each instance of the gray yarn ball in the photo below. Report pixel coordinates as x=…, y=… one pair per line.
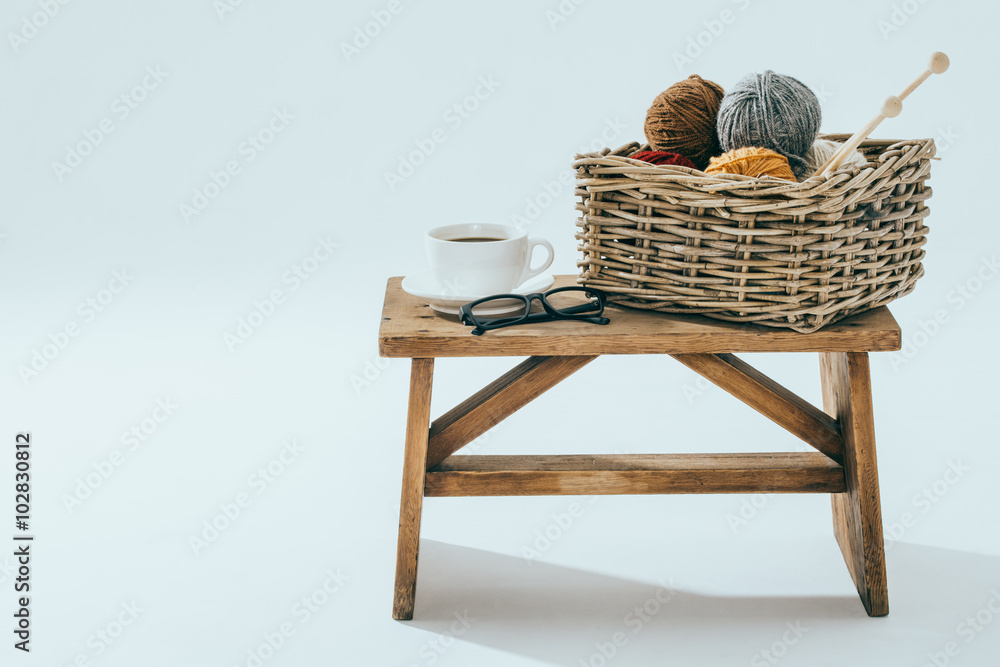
x=773, y=111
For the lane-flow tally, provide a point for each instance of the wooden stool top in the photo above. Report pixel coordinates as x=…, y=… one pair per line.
x=410, y=328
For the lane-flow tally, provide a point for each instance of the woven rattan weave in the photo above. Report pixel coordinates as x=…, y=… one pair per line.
x=762, y=250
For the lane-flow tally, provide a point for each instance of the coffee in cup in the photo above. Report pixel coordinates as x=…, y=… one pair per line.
x=479, y=259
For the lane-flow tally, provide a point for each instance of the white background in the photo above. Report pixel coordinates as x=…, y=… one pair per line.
x=740, y=570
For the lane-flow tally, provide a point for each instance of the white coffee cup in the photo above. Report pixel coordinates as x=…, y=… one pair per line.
x=480, y=259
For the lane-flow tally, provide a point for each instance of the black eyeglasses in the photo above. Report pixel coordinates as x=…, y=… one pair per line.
x=563, y=303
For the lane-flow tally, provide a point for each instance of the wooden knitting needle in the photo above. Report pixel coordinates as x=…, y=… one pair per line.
x=890, y=109
x=938, y=64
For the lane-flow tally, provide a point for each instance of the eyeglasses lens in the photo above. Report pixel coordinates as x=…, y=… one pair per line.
x=498, y=311
x=573, y=302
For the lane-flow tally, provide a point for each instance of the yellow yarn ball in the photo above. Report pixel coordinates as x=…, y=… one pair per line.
x=751, y=161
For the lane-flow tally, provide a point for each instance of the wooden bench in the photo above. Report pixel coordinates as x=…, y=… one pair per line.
x=842, y=434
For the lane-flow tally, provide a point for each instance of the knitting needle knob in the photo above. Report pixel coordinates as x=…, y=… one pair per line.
x=891, y=107
x=939, y=63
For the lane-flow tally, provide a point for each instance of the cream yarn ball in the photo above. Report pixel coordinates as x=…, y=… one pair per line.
x=824, y=149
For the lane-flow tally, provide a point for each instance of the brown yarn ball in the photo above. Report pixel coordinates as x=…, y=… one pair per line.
x=683, y=117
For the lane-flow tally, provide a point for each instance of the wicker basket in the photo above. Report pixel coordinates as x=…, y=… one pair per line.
x=769, y=251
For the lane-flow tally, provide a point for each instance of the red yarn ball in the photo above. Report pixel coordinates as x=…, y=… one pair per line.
x=663, y=157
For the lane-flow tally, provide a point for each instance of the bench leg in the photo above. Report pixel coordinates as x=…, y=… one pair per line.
x=857, y=513
x=411, y=502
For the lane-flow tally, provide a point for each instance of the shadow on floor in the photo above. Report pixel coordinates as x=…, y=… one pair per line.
x=567, y=616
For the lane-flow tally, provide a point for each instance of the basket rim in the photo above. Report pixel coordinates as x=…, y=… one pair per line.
x=639, y=170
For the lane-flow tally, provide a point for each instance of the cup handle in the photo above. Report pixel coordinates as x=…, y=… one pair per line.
x=530, y=271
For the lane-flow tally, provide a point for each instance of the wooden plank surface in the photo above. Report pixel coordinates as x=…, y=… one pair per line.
x=544, y=475
x=497, y=401
x=411, y=499
x=410, y=328
x=857, y=512
x=769, y=398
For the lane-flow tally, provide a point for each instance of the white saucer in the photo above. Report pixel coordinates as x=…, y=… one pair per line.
x=426, y=286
